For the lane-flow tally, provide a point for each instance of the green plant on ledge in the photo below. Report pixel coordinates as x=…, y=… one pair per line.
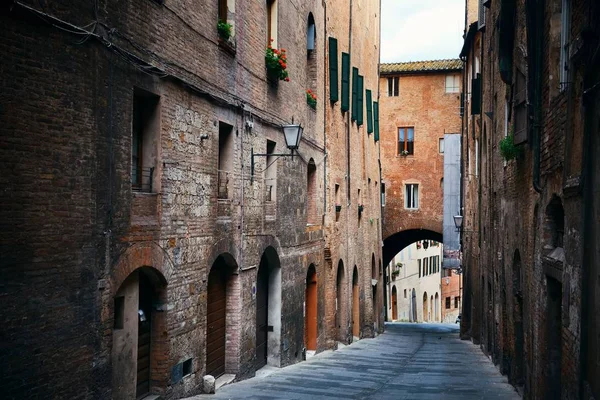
x=508, y=150
x=224, y=30
x=311, y=99
x=276, y=62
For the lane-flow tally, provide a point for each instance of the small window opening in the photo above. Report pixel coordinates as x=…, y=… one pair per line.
x=555, y=223
x=447, y=303
x=119, y=312
x=187, y=367
x=406, y=141
x=225, y=161
x=393, y=84
x=272, y=23
x=411, y=196
x=382, y=194
x=144, y=140
x=311, y=193
x=441, y=145
x=270, y=174
x=452, y=83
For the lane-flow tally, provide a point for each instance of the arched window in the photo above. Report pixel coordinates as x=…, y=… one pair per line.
x=226, y=14
x=311, y=193
x=311, y=56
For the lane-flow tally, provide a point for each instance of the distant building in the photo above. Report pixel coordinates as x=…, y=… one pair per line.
x=414, y=283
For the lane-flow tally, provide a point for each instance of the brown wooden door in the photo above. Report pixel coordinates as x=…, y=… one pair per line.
x=310, y=319
x=144, y=337
x=394, y=304
x=215, y=321
x=262, y=315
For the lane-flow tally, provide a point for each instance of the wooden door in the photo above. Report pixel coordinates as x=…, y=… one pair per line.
x=394, y=304
x=215, y=321
x=144, y=337
x=262, y=315
x=310, y=319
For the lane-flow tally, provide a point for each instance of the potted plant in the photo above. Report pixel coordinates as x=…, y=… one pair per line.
x=404, y=152
x=338, y=208
x=508, y=150
x=224, y=30
x=360, y=208
x=311, y=99
x=276, y=63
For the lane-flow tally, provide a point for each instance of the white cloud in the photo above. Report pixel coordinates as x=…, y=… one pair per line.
x=415, y=30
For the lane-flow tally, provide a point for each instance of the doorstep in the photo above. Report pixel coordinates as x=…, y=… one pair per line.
x=223, y=380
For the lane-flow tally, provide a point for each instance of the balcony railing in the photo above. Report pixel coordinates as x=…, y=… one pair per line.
x=141, y=179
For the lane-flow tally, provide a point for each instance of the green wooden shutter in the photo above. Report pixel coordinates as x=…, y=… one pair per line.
x=369, y=112
x=333, y=70
x=345, y=81
x=376, y=120
x=361, y=95
x=354, y=93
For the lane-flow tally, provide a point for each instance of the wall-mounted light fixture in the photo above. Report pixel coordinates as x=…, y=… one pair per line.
x=292, y=134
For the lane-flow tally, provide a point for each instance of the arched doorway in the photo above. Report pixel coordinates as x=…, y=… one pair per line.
x=431, y=315
x=136, y=331
x=355, y=304
x=310, y=316
x=311, y=194
x=437, y=307
x=394, y=303
x=219, y=313
x=268, y=309
x=425, y=307
x=340, y=304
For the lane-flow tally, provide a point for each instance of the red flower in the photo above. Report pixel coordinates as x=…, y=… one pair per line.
x=284, y=65
x=287, y=79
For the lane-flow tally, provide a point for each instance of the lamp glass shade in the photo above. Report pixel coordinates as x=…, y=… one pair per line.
x=458, y=221
x=293, y=134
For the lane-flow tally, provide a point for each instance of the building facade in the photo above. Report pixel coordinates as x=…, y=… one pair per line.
x=530, y=129
x=151, y=206
x=420, y=103
x=414, y=285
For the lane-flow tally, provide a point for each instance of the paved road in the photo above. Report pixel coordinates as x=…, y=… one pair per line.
x=409, y=361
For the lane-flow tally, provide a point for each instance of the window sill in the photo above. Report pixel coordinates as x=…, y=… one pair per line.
x=228, y=46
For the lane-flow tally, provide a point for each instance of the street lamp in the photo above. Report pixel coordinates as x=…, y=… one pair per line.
x=292, y=134
x=458, y=222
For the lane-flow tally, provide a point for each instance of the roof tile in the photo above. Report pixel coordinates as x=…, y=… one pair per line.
x=421, y=66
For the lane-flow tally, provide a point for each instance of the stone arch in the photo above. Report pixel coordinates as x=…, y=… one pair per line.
x=355, y=303
x=393, y=244
x=223, y=321
x=268, y=309
x=311, y=314
x=138, y=340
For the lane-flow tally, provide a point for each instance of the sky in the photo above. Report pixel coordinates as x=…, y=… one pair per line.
x=416, y=30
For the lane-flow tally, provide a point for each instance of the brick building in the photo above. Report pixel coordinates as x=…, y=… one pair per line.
x=420, y=106
x=530, y=192
x=141, y=245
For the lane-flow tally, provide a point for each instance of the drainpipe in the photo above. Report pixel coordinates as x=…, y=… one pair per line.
x=324, y=114
x=535, y=20
x=380, y=233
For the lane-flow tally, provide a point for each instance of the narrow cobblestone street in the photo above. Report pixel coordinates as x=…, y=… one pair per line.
x=408, y=361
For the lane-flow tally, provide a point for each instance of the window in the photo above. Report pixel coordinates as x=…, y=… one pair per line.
x=419, y=263
x=447, y=303
x=226, y=13
x=425, y=267
x=311, y=193
x=404, y=293
x=393, y=86
x=406, y=141
x=310, y=33
x=272, y=22
x=452, y=83
x=565, y=27
x=144, y=134
x=456, y=301
x=225, y=160
x=187, y=367
x=520, y=103
x=382, y=194
x=441, y=145
x=411, y=196
x=270, y=175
